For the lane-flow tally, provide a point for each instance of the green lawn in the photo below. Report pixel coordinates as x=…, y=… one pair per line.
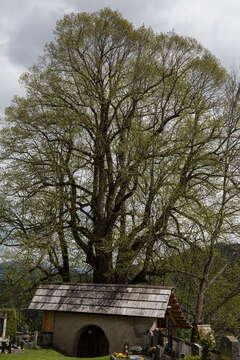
x=43, y=355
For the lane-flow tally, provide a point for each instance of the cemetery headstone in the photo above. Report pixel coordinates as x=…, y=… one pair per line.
x=229, y=348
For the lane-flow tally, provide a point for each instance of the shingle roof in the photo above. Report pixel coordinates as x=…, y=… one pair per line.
x=143, y=301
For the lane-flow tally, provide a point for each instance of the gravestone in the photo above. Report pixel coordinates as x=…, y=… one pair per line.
x=229, y=348
x=196, y=350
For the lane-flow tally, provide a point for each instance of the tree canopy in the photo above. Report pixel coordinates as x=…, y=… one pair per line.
x=125, y=145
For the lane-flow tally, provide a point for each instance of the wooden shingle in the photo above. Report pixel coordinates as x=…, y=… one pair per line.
x=125, y=300
x=146, y=301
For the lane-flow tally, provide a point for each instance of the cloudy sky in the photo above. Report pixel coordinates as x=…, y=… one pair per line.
x=26, y=25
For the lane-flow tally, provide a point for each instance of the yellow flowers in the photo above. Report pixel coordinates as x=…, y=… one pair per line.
x=125, y=356
x=120, y=355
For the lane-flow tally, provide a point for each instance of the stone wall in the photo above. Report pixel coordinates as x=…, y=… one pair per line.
x=118, y=330
x=183, y=348
x=180, y=347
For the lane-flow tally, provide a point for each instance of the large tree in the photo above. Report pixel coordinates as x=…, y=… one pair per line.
x=119, y=130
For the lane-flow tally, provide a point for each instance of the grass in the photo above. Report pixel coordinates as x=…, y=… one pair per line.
x=44, y=354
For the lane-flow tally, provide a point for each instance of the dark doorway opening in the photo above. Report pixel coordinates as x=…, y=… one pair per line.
x=93, y=342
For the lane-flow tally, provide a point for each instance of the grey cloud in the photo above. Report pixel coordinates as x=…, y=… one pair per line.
x=32, y=22
x=9, y=84
x=27, y=41
x=26, y=25
x=137, y=11
x=28, y=38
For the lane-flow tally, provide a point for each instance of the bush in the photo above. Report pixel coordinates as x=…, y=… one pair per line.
x=184, y=334
x=208, y=343
x=192, y=357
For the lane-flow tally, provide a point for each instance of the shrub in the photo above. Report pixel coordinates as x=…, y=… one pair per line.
x=208, y=343
x=192, y=357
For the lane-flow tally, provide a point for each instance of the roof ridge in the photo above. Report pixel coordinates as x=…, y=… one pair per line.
x=108, y=285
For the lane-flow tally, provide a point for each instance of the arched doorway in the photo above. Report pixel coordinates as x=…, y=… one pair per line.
x=92, y=342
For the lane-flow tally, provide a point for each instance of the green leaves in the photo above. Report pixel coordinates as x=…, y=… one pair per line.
x=120, y=135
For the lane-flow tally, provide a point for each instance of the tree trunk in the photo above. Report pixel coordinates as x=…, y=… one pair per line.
x=103, y=271
x=65, y=270
x=198, y=318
